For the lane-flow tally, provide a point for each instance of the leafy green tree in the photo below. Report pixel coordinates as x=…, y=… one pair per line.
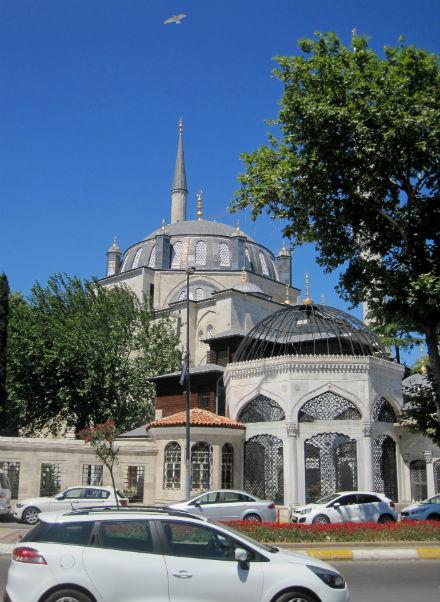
x=102, y=438
x=395, y=338
x=80, y=353
x=4, y=316
x=419, y=411
x=353, y=166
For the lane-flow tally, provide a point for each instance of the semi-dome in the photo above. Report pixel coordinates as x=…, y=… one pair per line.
x=309, y=330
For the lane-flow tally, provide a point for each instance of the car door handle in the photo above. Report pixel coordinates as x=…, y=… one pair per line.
x=182, y=575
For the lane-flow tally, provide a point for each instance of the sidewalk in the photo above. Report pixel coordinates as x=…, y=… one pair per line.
x=331, y=551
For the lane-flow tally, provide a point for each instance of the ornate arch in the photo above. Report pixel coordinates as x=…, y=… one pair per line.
x=383, y=411
x=264, y=467
x=328, y=406
x=261, y=409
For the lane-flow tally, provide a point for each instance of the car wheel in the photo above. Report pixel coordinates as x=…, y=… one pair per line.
x=30, y=515
x=386, y=518
x=68, y=595
x=296, y=596
x=434, y=517
x=255, y=518
x=321, y=519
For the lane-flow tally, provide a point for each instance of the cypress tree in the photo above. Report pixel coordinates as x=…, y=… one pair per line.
x=4, y=314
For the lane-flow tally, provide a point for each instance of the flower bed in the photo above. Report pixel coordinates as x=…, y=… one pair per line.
x=343, y=532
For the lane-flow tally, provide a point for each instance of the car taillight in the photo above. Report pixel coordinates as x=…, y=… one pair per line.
x=29, y=555
x=271, y=506
x=123, y=502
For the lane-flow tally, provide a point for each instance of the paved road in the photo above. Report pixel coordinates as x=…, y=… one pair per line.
x=369, y=581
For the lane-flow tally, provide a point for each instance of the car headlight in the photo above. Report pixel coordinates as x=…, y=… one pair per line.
x=305, y=511
x=19, y=505
x=330, y=578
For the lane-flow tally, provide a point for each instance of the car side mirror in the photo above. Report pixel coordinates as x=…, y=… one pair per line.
x=336, y=505
x=198, y=503
x=60, y=496
x=241, y=556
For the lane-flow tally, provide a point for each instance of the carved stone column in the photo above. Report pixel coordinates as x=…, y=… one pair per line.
x=291, y=486
x=429, y=473
x=367, y=448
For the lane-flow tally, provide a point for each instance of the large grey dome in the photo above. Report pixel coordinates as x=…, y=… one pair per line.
x=309, y=330
x=199, y=228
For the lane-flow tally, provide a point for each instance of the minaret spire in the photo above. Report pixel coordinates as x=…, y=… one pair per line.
x=179, y=189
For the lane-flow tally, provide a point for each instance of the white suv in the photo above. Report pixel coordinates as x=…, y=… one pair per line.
x=159, y=555
x=27, y=511
x=346, y=507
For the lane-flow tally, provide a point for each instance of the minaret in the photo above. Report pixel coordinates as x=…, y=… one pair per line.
x=113, y=259
x=179, y=190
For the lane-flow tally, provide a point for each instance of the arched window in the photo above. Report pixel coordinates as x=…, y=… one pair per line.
x=209, y=331
x=383, y=411
x=436, y=466
x=261, y=409
x=263, y=264
x=201, y=461
x=225, y=259
x=199, y=295
x=385, y=466
x=328, y=406
x=417, y=477
x=227, y=466
x=176, y=255
x=200, y=252
x=330, y=465
x=263, y=467
x=171, y=466
x=152, y=260
x=136, y=259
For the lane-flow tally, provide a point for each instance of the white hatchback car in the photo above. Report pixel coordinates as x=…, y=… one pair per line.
x=27, y=511
x=346, y=507
x=159, y=555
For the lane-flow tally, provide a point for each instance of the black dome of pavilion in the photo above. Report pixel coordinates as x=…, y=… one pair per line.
x=309, y=330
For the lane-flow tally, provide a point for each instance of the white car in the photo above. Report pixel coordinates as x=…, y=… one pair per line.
x=346, y=507
x=5, y=494
x=27, y=511
x=230, y=504
x=427, y=510
x=159, y=555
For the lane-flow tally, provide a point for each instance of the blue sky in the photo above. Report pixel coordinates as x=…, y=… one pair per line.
x=91, y=93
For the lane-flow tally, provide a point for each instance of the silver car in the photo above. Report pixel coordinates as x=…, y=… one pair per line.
x=230, y=504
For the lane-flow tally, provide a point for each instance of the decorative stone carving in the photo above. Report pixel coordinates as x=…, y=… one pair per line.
x=428, y=456
x=292, y=429
x=367, y=429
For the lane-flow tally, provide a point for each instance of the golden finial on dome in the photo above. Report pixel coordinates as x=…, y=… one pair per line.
x=307, y=300
x=199, y=205
x=287, y=300
x=283, y=251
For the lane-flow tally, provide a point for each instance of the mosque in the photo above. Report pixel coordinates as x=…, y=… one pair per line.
x=290, y=400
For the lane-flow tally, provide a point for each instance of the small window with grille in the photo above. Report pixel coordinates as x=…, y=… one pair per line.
x=152, y=260
x=92, y=474
x=176, y=255
x=201, y=462
x=199, y=294
x=248, y=262
x=203, y=397
x=13, y=471
x=136, y=259
x=227, y=467
x=225, y=259
x=200, y=252
x=263, y=263
x=209, y=331
x=134, y=483
x=50, y=479
x=171, y=466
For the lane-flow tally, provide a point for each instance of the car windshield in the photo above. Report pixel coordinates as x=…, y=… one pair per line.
x=327, y=498
x=257, y=544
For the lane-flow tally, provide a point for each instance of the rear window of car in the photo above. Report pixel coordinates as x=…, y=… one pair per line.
x=65, y=533
x=368, y=499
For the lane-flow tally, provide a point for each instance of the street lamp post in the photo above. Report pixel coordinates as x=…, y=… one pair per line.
x=189, y=272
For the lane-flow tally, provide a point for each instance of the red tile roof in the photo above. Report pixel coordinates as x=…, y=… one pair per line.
x=198, y=417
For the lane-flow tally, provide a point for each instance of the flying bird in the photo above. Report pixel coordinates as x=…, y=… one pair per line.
x=177, y=19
